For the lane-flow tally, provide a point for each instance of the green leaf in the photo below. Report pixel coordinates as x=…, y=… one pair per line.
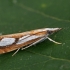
x=24, y=15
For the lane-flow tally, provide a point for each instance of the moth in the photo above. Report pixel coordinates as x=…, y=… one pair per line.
x=24, y=40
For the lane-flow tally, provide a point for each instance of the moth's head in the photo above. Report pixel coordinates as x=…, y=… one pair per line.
x=52, y=30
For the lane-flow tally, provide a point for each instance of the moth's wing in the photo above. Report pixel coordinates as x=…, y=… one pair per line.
x=14, y=46
x=21, y=40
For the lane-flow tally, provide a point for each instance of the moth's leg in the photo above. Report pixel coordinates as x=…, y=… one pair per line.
x=16, y=51
x=42, y=39
x=53, y=40
x=0, y=33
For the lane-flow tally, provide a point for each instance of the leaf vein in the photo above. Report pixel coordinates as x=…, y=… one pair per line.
x=41, y=13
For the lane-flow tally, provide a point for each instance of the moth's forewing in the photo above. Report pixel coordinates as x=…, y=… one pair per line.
x=14, y=46
x=17, y=36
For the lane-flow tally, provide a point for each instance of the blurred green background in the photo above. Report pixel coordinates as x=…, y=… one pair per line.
x=24, y=15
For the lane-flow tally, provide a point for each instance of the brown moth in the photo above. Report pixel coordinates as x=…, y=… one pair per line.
x=24, y=40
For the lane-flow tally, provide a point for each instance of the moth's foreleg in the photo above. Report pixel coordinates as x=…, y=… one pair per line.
x=53, y=40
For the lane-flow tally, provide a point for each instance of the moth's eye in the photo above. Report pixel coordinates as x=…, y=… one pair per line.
x=49, y=32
